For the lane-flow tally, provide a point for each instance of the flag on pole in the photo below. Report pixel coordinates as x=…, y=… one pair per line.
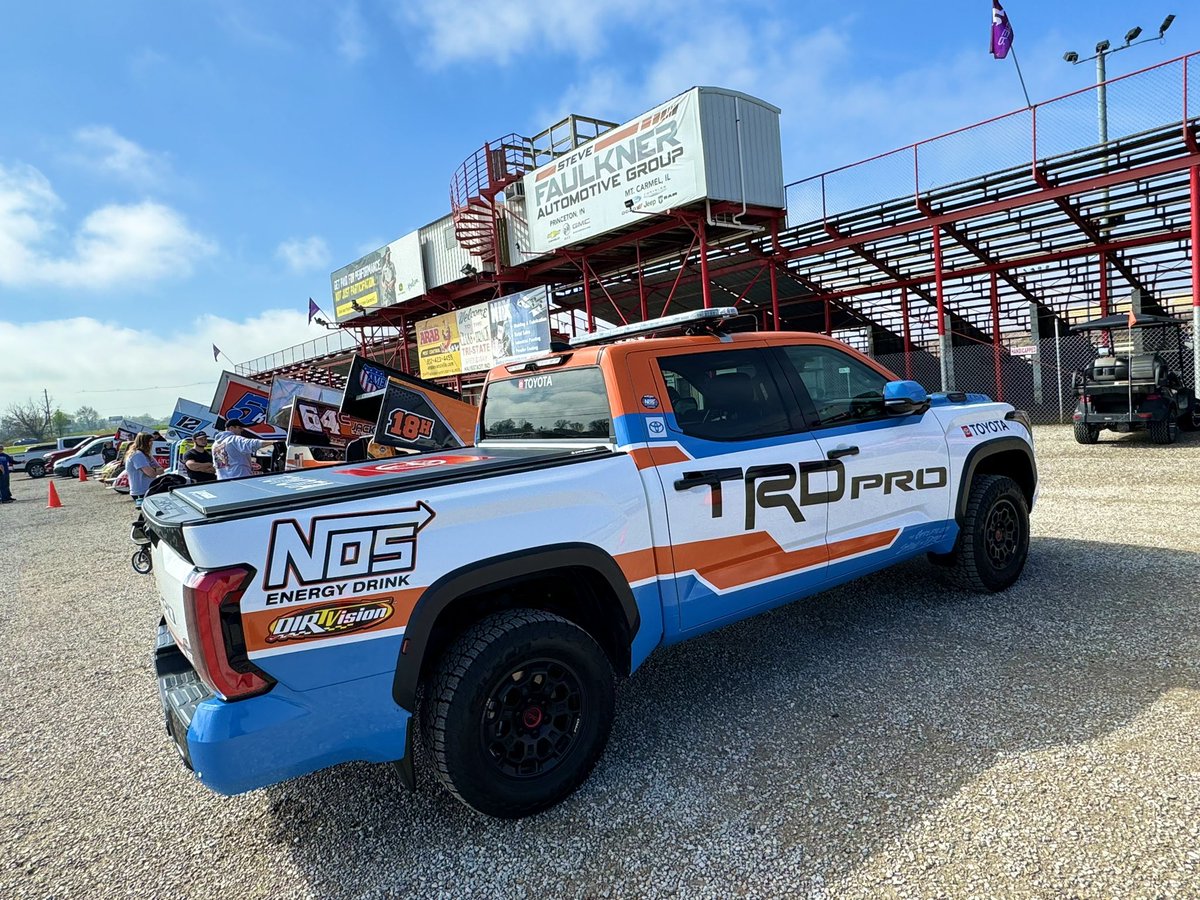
x=1002, y=33
x=313, y=309
x=216, y=352
x=1132, y=318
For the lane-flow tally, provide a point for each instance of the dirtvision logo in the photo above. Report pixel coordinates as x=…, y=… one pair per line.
x=370, y=550
x=329, y=621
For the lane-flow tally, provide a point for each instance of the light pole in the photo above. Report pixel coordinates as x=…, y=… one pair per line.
x=1103, y=50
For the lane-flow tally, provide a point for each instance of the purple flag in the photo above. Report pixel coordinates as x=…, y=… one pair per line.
x=216, y=352
x=1002, y=33
x=313, y=309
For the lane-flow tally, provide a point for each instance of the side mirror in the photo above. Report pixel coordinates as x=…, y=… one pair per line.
x=904, y=398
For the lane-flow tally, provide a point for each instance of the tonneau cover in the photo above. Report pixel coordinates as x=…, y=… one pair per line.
x=248, y=496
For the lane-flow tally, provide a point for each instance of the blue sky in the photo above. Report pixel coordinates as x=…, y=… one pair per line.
x=174, y=174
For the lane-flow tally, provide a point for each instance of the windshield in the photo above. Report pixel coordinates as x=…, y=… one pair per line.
x=571, y=403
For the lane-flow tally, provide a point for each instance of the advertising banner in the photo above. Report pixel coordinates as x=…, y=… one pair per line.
x=285, y=390
x=241, y=398
x=190, y=418
x=438, y=346
x=125, y=429
x=478, y=337
x=384, y=277
x=419, y=418
x=654, y=163
x=365, y=384
x=315, y=423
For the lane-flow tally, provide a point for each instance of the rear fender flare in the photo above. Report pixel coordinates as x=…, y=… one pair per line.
x=494, y=572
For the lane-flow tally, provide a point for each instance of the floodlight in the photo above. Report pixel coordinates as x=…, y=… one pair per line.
x=1071, y=56
x=1162, y=29
x=469, y=270
x=1133, y=34
x=1103, y=46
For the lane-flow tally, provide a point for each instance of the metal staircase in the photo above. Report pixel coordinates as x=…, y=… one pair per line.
x=484, y=176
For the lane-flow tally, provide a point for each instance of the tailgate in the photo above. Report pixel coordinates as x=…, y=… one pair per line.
x=170, y=573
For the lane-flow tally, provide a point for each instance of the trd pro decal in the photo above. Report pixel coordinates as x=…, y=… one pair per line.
x=775, y=485
x=340, y=548
x=329, y=621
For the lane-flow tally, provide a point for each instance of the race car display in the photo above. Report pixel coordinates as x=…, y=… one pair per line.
x=1128, y=388
x=622, y=495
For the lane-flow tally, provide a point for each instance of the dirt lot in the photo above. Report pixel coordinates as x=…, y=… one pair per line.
x=891, y=738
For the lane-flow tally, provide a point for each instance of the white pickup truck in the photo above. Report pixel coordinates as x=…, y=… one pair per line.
x=619, y=497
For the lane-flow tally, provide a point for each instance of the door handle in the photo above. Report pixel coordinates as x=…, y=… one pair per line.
x=842, y=451
x=712, y=476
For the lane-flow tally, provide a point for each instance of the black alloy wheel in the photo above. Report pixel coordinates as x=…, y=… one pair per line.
x=518, y=712
x=531, y=718
x=993, y=542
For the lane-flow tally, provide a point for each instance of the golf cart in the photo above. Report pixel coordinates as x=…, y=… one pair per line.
x=1131, y=387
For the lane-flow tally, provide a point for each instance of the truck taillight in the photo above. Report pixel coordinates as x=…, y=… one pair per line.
x=214, y=621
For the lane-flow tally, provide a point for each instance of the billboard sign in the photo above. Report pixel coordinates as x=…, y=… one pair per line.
x=653, y=163
x=384, y=277
x=241, y=398
x=478, y=337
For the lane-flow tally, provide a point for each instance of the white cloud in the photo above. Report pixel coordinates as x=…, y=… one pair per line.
x=118, y=245
x=485, y=30
x=135, y=370
x=304, y=254
x=352, y=43
x=103, y=150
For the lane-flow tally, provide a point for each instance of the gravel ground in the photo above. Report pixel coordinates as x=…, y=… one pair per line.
x=890, y=738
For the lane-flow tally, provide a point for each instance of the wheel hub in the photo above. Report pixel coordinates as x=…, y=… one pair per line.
x=1003, y=532
x=532, y=717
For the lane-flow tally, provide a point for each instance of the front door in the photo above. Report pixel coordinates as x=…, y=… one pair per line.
x=737, y=468
x=890, y=481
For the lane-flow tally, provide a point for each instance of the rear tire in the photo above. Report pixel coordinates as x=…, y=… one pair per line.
x=1164, y=431
x=1086, y=434
x=994, y=542
x=518, y=712
x=1190, y=419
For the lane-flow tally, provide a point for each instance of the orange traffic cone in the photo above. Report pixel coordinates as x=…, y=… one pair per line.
x=54, y=502
x=82, y=474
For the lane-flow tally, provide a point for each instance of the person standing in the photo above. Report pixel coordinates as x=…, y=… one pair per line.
x=233, y=451
x=198, y=460
x=6, y=466
x=140, y=468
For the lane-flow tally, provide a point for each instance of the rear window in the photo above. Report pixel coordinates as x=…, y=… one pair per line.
x=570, y=403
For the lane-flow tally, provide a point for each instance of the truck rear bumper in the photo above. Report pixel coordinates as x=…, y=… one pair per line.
x=246, y=744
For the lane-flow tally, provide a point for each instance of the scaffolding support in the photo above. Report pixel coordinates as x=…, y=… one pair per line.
x=1194, y=197
x=706, y=288
x=907, y=333
x=945, y=341
x=774, y=297
x=995, y=298
x=587, y=298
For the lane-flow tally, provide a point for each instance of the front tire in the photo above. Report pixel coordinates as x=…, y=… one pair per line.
x=35, y=469
x=518, y=712
x=1086, y=434
x=994, y=542
x=73, y=472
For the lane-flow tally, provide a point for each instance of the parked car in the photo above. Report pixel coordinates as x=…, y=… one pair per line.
x=101, y=451
x=44, y=465
x=25, y=455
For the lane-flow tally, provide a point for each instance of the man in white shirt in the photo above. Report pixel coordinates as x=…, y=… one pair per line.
x=233, y=451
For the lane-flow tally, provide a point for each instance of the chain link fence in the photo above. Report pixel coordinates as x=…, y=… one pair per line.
x=1039, y=377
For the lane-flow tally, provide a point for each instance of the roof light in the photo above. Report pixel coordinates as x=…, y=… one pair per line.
x=711, y=317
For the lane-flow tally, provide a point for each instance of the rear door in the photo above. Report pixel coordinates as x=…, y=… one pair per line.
x=889, y=476
x=734, y=462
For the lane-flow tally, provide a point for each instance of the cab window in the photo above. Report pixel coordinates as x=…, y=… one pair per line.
x=841, y=388
x=726, y=395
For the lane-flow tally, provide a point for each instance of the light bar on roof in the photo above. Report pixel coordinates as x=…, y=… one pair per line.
x=712, y=317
